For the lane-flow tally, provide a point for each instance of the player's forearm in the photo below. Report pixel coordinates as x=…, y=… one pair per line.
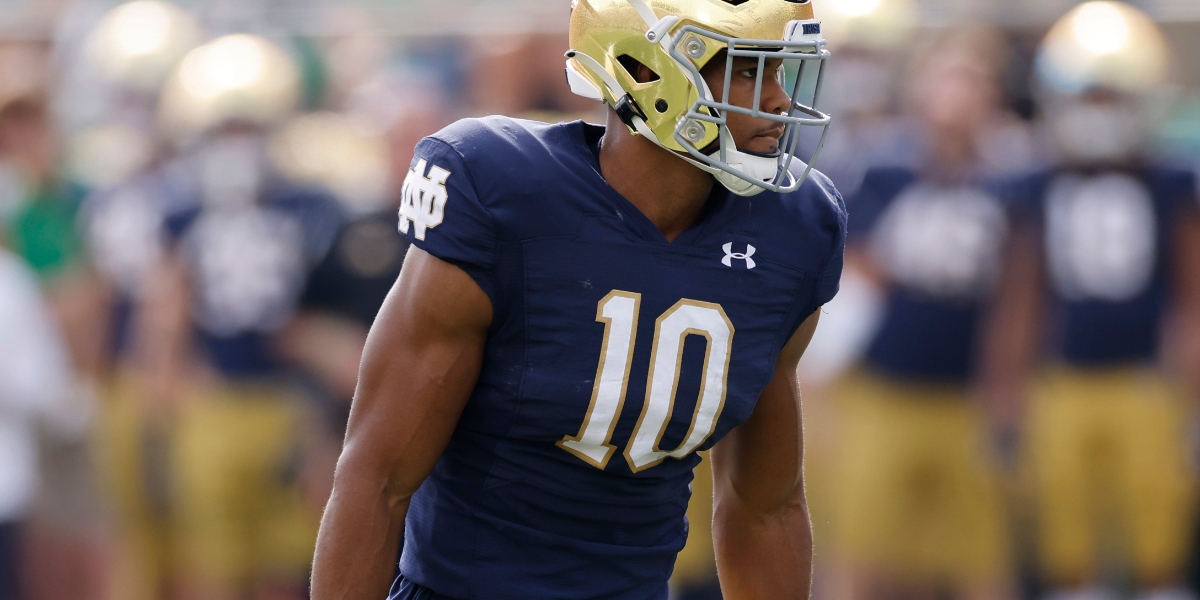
x=359, y=536
x=763, y=555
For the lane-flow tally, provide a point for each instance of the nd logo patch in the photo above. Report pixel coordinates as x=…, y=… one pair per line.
x=423, y=198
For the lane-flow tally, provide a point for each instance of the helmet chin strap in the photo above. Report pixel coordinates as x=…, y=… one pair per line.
x=761, y=168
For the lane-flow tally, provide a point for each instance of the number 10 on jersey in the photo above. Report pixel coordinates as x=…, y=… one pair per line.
x=619, y=313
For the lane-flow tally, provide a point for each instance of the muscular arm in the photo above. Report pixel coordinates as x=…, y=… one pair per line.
x=421, y=361
x=760, y=517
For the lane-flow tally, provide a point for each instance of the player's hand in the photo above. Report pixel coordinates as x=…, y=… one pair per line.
x=1006, y=447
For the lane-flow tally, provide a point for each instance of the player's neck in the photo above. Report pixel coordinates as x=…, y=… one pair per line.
x=670, y=192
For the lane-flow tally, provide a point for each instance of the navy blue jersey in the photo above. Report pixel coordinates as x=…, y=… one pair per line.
x=248, y=267
x=940, y=247
x=125, y=228
x=1108, y=239
x=613, y=356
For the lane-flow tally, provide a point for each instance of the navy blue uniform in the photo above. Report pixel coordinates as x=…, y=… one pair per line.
x=940, y=247
x=1108, y=238
x=249, y=265
x=564, y=478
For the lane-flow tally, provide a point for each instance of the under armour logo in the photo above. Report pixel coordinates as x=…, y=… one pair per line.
x=730, y=256
x=423, y=199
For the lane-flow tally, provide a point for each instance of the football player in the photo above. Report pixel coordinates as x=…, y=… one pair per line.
x=586, y=307
x=228, y=286
x=917, y=506
x=135, y=186
x=1116, y=257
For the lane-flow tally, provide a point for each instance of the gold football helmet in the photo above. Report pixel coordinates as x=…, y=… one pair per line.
x=137, y=43
x=1105, y=44
x=1099, y=70
x=676, y=110
x=238, y=77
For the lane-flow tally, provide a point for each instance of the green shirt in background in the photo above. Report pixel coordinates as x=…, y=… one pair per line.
x=45, y=230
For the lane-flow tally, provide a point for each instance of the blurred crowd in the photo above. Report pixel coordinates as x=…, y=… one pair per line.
x=197, y=227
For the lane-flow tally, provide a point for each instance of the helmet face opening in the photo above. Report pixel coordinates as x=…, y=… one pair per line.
x=803, y=58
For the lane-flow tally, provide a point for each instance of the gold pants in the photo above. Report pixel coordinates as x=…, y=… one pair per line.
x=916, y=497
x=239, y=512
x=1107, y=452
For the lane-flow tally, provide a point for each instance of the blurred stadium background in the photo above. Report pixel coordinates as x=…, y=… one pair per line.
x=197, y=208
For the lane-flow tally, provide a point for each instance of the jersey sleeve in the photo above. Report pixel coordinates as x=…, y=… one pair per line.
x=1181, y=186
x=442, y=214
x=879, y=187
x=830, y=278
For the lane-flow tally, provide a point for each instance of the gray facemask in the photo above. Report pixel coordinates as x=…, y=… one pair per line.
x=232, y=169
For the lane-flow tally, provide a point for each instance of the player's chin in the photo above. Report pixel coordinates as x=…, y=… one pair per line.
x=762, y=145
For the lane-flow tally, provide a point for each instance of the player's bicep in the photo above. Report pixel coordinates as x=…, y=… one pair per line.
x=420, y=364
x=761, y=461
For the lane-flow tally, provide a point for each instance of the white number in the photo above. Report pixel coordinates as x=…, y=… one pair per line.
x=423, y=199
x=688, y=317
x=1100, y=237
x=619, y=313
x=942, y=241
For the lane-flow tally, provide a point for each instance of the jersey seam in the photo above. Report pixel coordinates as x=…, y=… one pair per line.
x=475, y=188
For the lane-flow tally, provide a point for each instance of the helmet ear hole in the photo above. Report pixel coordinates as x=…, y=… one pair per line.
x=661, y=105
x=636, y=70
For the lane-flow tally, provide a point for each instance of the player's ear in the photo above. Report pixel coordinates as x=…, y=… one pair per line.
x=645, y=75
x=640, y=72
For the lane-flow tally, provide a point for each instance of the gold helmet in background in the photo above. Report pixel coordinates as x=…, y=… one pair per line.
x=138, y=43
x=239, y=77
x=1099, y=71
x=880, y=25
x=676, y=109
x=1103, y=44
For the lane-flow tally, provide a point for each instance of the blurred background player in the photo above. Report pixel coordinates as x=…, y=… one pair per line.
x=918, y=512
x=1113, y=261
x=137, y=181
x=870, y=40
x=237, y=267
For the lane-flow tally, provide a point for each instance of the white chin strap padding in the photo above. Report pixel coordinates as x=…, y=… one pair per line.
x=737, y=185
x=761, y=168
x=580, y=85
